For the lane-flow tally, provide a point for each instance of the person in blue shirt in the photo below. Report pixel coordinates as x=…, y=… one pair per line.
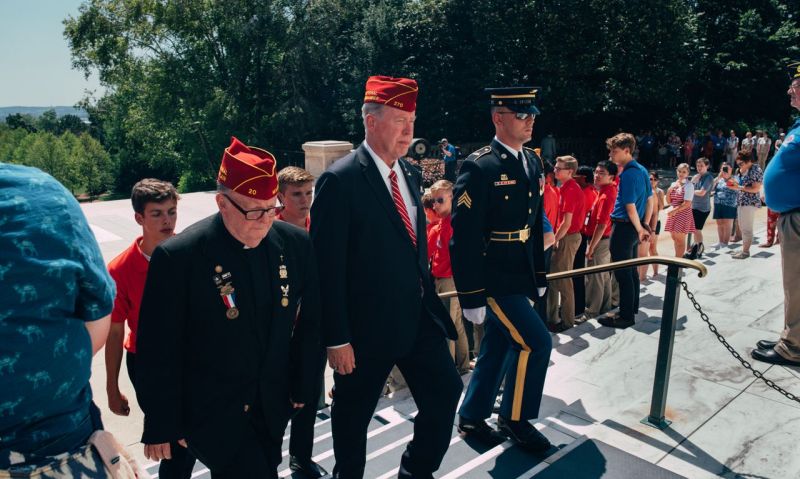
x=781, y=194
x=450, y=159
x=629, y=225
x=55, y=305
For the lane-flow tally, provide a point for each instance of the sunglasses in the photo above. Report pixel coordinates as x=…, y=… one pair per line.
x=438, y=200
x=518, y=116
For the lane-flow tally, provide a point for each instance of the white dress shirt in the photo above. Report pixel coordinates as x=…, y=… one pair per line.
x=405, y=191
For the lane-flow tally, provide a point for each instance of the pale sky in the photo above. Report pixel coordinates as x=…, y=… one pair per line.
x=35, y=64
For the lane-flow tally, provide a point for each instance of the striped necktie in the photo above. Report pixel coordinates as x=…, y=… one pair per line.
x=401, y=207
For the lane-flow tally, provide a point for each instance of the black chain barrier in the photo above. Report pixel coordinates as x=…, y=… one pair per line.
x=733, y=352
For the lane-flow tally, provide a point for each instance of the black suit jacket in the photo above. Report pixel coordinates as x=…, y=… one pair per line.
x=376, y=287
x=199, y=373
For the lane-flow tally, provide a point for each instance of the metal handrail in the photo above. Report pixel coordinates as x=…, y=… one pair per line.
x=666, y=338
x=628, y=263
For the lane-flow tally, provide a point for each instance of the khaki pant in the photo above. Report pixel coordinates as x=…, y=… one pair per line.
x=562, y=288
x=598, y=286
x=477, y=337
x=459, y=349
x=789, y=236
x=762, y=159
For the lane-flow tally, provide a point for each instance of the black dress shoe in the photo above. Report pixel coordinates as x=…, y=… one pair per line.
x=772, y=356
x=480, y=431
x=307, y=467
x=765, y=344
x=524, y=434
x=558, y=327
x=615, y=321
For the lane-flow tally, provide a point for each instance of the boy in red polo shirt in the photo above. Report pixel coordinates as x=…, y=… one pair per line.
x=155, y=206
x=439, y=258
x=598, y=228
x=571, y=214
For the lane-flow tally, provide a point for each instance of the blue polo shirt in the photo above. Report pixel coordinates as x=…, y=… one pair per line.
x=53, y=281
x=783, y=174
x=546, y=226
x=452, y=157
x=634, y=187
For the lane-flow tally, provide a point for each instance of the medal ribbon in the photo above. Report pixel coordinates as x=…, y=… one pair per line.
x=229, y=300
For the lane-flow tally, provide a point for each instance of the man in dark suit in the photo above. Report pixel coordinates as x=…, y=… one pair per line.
x=497, y=254
x=380, y=305
x=221, y=364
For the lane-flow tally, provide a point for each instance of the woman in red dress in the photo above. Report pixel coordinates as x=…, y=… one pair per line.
x=679, y=216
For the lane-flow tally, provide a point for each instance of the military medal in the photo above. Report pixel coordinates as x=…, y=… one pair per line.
x=229, y=299
x=226, y=291
x=285, y=298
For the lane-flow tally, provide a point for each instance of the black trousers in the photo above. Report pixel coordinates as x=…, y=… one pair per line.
x=578, y=285
x=258, y=456
x=624, y=244
x=182, y=462
x=301, y=438
x=450, y=171
x=436, y=386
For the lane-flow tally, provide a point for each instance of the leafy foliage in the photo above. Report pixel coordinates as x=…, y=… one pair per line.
x=183, y=76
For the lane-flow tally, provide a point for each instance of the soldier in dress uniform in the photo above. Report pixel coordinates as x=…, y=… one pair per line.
x=221, y=362
x=498, y=261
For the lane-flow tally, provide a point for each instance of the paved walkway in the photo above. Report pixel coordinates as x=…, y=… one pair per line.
x=725, y=423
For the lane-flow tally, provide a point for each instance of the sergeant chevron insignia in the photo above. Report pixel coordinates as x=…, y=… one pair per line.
x=465, y=200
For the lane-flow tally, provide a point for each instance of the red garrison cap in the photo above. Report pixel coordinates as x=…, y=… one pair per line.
x=400, y=93
x=248, y=171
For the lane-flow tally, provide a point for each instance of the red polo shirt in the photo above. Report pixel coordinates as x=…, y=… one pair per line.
x=439, y=236
x=601, y=210
x=589, y=197
x=571, y=202
x=551, y=198
x=129, y=270
x=308, y=220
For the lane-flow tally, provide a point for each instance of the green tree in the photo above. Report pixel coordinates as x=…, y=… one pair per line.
x=49, y=153
x=72, y=124
x=94, y=167
x=48, y=121
x=18, y=120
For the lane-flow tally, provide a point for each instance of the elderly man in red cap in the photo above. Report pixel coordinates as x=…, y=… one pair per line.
x=221, y=362
x=381, y=308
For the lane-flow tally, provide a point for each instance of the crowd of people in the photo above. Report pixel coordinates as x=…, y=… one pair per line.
x=280, y=284
x=666, y=149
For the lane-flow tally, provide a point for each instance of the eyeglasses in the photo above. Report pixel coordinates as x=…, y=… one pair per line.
x=256, y=214
x=518, y=116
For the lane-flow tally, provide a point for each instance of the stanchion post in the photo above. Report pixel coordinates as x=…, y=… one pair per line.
x=666, y=340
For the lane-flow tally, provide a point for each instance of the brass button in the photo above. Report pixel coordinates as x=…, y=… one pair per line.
x=530, y=211
x=506, y=196
x=530, y=195
x=246, y=407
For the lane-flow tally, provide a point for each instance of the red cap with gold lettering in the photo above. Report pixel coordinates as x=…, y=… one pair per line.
x=400, y=93
x=248, y=170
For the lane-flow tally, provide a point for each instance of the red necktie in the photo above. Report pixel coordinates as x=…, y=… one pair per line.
x=401, y=207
